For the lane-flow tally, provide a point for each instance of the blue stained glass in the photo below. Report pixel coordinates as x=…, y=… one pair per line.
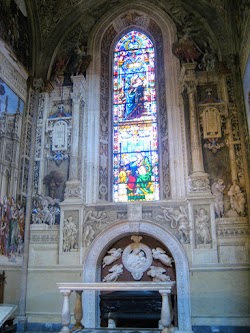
x=135, y=135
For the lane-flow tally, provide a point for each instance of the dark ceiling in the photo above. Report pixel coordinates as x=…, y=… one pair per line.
x=41, y=31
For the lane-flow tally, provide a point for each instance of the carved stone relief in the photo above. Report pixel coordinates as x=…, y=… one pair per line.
x=58, y=128
x=178, y=220
x=106, y=238
x=137, y=260
x=202, y=227
x=71, y=232
x=93, y=223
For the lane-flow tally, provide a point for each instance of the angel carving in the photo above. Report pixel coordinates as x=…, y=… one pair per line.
x=161, y=255
x=157, y=274
x=114, y=274
x=114, y=254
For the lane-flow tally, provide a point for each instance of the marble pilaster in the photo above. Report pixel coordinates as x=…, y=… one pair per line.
x=198, y=179
x=73, y=185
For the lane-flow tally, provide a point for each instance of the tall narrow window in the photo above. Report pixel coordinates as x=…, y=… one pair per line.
x=135, y=135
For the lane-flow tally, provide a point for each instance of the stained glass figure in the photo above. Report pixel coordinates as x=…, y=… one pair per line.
x=135, y=135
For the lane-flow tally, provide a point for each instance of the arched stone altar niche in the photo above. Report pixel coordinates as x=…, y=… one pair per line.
x=92, y=268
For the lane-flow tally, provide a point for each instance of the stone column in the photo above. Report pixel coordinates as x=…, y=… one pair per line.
x=78, y=311
x=232, y=157
x=166, y=311
x=198, y=180
x=73, y=185
x=65, y=311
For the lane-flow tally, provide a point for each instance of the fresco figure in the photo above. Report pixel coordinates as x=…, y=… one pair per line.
x=217, y=189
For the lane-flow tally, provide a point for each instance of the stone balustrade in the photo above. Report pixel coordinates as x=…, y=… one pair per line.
x=65, y=289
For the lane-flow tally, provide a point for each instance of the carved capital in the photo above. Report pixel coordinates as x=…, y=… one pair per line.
x=73, y=189
x=38, y=84
x=188, y=77
x=199, y=182
x=79, y=88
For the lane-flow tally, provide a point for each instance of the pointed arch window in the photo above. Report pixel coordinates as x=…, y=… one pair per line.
x=135, y=133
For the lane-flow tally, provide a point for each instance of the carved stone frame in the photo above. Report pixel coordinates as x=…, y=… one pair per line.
x=92, y=268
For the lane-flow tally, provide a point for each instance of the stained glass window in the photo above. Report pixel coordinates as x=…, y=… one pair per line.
x=135, y=135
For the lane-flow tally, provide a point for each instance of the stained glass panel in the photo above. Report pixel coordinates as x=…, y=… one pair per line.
x=135, y=137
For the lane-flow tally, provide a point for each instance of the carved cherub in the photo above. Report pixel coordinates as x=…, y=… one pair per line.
x=115, y=254
x=114, y=274
x=157, y=273
x=161, y=255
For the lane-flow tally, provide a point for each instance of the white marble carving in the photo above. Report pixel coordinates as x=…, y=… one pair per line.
x=92, y=260
x=157, y=274
x=88, y=234
x=237, y=199
x=178, y=220
x=70, y=232
x=160, y=254
x=203, y=226
x=114, y=254
x=115, y=272
x=60, y=136
x=137, y=258
x=217, y=189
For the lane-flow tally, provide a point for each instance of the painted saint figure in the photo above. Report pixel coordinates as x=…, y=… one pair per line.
x=134, y=98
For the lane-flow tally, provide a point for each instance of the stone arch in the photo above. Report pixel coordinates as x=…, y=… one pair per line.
x=92, y=266
x=159, y=26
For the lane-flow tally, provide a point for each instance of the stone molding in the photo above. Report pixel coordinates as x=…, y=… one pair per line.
x=92, y=265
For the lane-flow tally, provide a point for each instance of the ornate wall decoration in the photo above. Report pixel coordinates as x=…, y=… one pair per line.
x=70, y=235
x=235, y=128
x=58, y=127
x=44, y=237
x=178, y=219
x=130, y=18
x=202, y=227
x=157, y=232
x=104, y=113
x=137, y=258
x=93, y=223
x=50, y=13
x=73, y=190
x=233, y=232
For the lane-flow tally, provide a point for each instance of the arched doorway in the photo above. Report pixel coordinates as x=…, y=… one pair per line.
x=92, y=268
